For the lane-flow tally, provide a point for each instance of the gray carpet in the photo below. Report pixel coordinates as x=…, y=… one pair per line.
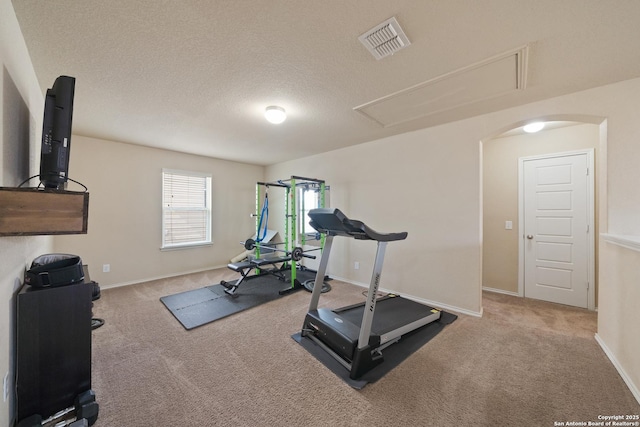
x=524, y=363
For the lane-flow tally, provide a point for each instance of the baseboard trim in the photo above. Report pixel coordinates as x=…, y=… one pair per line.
x=150, y=279
x=500, y=291
x=437, y=304
x=627, y=380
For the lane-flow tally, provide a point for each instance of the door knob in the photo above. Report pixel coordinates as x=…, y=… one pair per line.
x=529, y=236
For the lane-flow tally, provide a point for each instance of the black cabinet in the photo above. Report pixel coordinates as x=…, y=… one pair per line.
x=53, y=348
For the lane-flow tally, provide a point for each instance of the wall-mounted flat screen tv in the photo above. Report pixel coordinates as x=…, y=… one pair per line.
x=56, y=133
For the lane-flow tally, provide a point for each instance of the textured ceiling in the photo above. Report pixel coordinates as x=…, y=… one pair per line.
x=195, y=75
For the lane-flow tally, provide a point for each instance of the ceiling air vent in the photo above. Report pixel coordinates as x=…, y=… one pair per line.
x=385, y=39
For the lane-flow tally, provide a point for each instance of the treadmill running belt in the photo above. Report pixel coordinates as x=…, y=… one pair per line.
x=391, y=313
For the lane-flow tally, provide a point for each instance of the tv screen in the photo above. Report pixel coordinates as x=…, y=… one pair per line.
x=56, y=133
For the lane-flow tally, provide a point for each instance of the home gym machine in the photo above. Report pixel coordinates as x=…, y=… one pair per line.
x=358, y=347
x=263, y=261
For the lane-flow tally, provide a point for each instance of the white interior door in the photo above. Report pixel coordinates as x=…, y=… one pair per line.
x=557, y=221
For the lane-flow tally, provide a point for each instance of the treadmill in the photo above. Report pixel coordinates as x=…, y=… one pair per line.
x=356, y=335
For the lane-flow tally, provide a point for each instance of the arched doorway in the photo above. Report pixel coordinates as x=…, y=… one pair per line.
x=502, y=248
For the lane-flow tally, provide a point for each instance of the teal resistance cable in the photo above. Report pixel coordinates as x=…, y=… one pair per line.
x=264, y=215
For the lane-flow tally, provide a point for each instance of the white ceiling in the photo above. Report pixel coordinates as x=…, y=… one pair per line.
x=195, y=75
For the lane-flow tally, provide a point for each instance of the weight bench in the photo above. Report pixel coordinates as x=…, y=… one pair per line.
x=246, y=267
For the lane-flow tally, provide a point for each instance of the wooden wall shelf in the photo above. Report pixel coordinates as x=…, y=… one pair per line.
x=30, y=211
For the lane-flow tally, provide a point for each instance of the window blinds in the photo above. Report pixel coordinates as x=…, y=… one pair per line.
x=186, y=202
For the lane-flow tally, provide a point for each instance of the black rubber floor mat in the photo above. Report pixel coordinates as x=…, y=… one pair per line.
x=393, y=355
x=201, y=306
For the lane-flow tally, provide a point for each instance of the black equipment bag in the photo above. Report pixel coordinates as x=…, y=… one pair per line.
x=54, y=270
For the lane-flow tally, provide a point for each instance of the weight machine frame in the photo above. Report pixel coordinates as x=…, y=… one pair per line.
x=291, y=217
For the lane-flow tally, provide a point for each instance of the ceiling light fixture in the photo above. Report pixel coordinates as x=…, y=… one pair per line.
x=533, y=127
x=275, y=114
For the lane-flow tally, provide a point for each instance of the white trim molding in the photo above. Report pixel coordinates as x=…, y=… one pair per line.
x=501, y=291
x=169, y=276
x=629, y=242
x=627, y=380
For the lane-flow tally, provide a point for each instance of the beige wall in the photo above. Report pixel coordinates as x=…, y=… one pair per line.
x=402, y=184
x=618, y=325
x=428, y=183
x=425, y=182
x=21, y=106
x=500, y=194
x=125, y=229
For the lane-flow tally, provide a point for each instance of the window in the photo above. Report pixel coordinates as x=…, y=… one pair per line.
x=186, y=209
x=309, y=199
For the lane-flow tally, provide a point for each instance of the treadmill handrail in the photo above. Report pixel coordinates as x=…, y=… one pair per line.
x=333, y=222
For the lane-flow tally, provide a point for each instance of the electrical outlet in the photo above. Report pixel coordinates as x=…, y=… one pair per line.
x=356, y=265
x=5, y=387
x=106, y=268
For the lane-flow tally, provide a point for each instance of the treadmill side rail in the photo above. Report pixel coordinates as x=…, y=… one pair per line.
x=394, y=335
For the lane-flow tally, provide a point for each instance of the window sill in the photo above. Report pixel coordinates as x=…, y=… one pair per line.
x=189, y=246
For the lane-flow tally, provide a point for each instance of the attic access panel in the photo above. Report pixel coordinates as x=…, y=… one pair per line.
x=484, y=80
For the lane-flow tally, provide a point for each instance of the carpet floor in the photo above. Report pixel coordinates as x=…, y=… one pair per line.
x=524, y=363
